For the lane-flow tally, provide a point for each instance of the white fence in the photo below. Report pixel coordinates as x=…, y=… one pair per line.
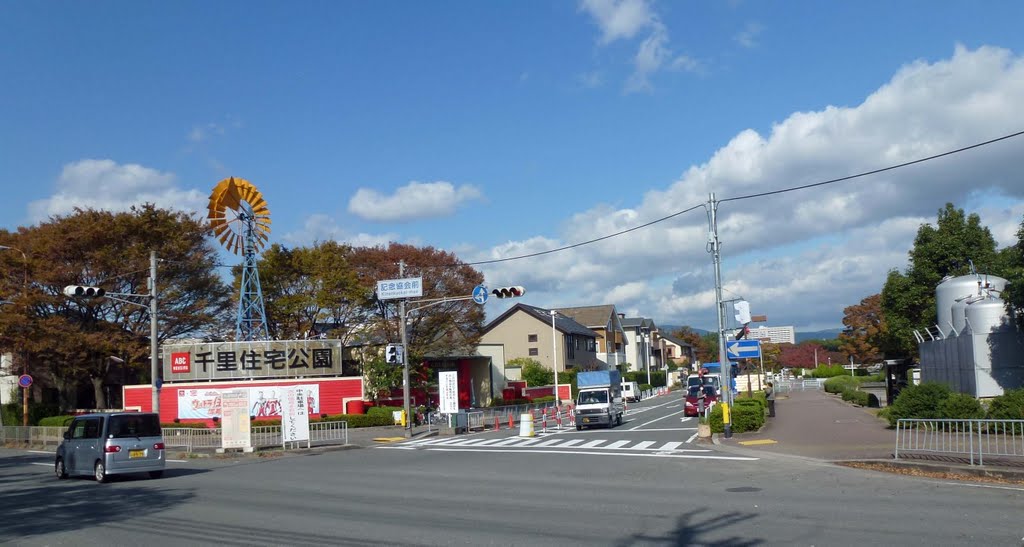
x=186, y=438
x=972, y=440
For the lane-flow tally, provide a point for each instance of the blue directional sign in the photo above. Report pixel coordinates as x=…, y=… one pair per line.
x=480, y=294
x=743, y=349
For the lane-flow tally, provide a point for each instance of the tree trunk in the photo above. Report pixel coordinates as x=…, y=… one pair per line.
x=97, y=390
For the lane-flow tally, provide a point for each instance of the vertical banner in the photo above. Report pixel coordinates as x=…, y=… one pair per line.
x=235, y=425
x=294, y=415
x=448, y=392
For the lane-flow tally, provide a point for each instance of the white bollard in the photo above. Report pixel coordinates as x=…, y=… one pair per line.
x=526, y=425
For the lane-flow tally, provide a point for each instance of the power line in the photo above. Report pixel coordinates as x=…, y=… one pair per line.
x=876, y=171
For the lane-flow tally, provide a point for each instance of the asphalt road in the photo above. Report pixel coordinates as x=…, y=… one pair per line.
x=412, y=494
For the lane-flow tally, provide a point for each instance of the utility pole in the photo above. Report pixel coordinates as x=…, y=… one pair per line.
x=722, y=357
x=153, y=345
x=405, y=355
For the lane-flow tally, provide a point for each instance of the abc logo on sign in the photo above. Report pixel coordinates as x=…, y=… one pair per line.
x=181, y=363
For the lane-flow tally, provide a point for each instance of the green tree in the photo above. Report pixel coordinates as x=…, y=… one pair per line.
x=947, y=249
x=533, y=372
x=1012, y=258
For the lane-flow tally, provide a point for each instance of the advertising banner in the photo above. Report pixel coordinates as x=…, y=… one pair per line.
x=261, y=401
x=251, y=360
x=294, y=415
x=448, y=391
x=235, y=426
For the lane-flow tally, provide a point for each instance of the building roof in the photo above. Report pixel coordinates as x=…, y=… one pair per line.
x=591, y=316
x=565, y=324
x=642, y=322
x=677, y=341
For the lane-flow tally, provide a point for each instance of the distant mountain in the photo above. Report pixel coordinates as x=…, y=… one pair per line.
x=827, y=334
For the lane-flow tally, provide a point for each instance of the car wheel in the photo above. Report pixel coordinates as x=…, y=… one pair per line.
x=619, y=421
x=579, y=428
x=100, y=472
x=58, y=468
x=156, y=474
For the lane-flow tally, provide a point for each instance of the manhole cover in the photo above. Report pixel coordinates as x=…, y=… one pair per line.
x=743, y=489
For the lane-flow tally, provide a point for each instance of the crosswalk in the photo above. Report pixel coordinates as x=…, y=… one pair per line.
x=557, y=444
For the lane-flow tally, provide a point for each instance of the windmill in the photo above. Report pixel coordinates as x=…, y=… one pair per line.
x=241, y=221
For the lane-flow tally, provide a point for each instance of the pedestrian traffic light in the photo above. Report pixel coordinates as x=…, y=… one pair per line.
x=393, y=354
x=81, y=291
x=509, y=292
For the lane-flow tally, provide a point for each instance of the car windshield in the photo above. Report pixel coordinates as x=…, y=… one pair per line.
x=593, y=397
x=709, y=391
x=135, y=425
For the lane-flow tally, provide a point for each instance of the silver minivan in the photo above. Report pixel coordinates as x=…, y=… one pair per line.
x=119, y=443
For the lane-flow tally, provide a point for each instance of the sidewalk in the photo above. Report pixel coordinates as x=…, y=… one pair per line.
x=814, y=424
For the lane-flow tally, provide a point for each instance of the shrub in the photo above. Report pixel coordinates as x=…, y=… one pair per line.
x=745, y=417
x=55, y=421
x=961, y=406
x=1008, y=406
x=921, y=401
x=829, y=371
x=184, y=425
x=385, y=411
x=838, y=384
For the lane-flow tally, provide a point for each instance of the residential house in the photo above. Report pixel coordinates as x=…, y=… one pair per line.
x=611, y=338
x=641, y=342
x=676, y=350
x=527, y=331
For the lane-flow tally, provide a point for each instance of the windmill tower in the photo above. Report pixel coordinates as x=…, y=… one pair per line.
x=241, y=221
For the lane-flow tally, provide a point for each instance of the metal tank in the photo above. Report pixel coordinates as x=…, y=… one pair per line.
x=959, y=315
x=988, y=316
x=953, y=288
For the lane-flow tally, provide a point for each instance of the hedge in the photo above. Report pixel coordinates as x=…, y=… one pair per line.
x=748, y=416
x=837, y=384
x=54, y=421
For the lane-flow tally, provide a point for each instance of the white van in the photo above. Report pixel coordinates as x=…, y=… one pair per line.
x=630, y=391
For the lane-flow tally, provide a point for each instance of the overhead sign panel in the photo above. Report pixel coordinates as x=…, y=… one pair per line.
x=743, y=349
x=410, y=287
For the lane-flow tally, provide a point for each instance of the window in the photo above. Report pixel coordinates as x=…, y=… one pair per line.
x=135, y=425
x=533, y=352
x=591, y=345
x=531, y=338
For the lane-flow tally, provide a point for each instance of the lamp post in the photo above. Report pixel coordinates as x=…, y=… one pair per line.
x=24, y=361
x=647, y=356
x=554, y=355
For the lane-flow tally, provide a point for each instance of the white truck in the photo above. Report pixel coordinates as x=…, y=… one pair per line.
x=630, y=391
x=599, y=401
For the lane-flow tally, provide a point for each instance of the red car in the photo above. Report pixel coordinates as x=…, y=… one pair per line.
x=693, y=399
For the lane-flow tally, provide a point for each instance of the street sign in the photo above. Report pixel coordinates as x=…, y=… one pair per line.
x=159, y=383
x=25, y=381
x=743, y=349
x=409, y=287
x=480, y=294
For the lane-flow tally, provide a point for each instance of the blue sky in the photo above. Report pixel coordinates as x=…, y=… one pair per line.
x=494, y=129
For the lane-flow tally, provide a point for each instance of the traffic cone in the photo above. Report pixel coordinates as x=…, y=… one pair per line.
x=511, y=421
x=497, y=424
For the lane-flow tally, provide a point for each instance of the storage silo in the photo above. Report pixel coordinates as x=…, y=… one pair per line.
x=952, y=289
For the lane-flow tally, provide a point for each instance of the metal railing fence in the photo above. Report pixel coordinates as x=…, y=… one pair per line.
x=185, y=438
x=973, y=440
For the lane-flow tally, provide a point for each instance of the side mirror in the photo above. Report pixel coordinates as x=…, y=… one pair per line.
x=67, y=435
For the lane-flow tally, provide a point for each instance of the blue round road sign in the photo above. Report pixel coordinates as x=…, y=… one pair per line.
x=480, y=294
x=25, y=380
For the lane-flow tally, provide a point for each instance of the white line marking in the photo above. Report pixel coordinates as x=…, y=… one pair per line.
x=642, y=445
x=692, y=437
x=178, y=461
x=984, y=486
x=550, y=443
x=654, y=420
x=670, y=446
x=40, y=463
x=616, y=444
x=594, y=443
x=572, y=443
x=490, y=441
x=579, y=452
x=508, y=441
x=40, y=452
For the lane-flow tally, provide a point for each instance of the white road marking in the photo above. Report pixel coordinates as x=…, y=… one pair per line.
x=39, y=463
x=177, y=461
x=692, y=437
x=606, y=453
x=617, y=444
x=671, y=446
x=40, y=452
x=652, y=421
x=642, y=445
x=593, y=443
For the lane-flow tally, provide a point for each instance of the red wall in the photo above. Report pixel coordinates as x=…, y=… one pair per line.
x=333, y=393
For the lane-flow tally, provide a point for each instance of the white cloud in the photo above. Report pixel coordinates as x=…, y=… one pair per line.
x=320, y=227
x=105, y=184
x=748, y=36
x=802, y=257
x=619, y=19
x=416, y=200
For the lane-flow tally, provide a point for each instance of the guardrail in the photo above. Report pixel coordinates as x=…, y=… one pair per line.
x=184, y=438
x=973, y=440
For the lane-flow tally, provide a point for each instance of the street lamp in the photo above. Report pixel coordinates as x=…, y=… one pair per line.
x=554, y=355
x=647, y=356
x=24, y=361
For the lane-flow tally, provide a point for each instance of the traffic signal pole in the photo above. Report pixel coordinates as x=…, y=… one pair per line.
x=405, y=356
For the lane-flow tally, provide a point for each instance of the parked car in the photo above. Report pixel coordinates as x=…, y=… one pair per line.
x=118, y=443
x=692, y=406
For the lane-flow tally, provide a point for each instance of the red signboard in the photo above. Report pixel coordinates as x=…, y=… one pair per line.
x=180, y=363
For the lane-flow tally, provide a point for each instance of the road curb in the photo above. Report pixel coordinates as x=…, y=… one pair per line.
x=932, y=467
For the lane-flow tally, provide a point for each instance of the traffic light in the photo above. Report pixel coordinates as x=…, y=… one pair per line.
x=742, y=333
x=393, y=354
x=87, y=292
x=509, y=292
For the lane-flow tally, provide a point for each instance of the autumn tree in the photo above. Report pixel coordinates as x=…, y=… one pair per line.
x=947, y=249
x=802, y=355
x=68, y=341
x=697, y=342
x=865, y=330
